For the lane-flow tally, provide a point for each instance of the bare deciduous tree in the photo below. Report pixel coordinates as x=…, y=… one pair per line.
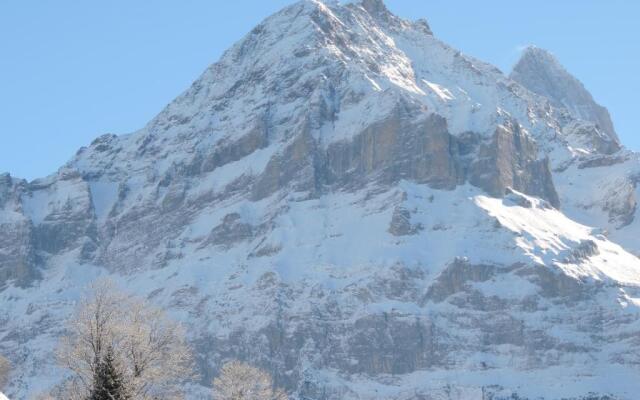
x=150, y=348
x=155, y=350
x=240, y=381
x=94, y=325
x=5, y=368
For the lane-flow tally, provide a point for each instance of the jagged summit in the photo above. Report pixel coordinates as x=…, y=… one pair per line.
x=321, y=73
x=375, y=7
x=539, y=53
x=379, y=10
x=541, y=72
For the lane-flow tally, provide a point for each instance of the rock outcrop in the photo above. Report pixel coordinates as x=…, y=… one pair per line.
x=539, y=71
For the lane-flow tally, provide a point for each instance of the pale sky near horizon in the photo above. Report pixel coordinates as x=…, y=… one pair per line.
x=71, y=71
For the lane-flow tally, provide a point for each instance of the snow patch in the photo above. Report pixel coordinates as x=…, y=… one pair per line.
x=443, y=93
x=103, y=196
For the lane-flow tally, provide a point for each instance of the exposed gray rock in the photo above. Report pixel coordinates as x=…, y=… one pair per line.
x=512, y=197
x=583, y=251
x=401, y=223
x=556, y=285
x=226, y=152
x=511, y=160
x=591, y=137
x=623, y=206
x=456, y=277
x=396, y=149
x=295, y=168
x=396, y=342
x=232, y=230
x=602, y=161
x=539, y=71
x=18, y=259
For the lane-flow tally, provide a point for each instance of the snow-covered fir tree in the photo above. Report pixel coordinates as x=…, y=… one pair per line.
x=150, y=351
x=109, y=381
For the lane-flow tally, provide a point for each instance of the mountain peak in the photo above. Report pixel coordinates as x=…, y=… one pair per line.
x=535, y=52
x=542, y=73
x=375, y=7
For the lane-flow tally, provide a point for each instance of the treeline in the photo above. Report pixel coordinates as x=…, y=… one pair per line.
x=119, y=347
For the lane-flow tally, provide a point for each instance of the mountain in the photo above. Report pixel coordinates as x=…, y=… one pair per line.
x=355, y=206
x=539, y=71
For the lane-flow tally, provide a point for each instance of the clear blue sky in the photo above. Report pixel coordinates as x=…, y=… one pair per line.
x=72, y=70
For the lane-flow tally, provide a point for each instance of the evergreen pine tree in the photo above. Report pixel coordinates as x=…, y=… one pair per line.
x=108, y=381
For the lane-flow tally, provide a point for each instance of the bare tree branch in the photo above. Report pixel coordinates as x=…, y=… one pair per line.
x=5, y=368
x=240, y=381
x=150, y=348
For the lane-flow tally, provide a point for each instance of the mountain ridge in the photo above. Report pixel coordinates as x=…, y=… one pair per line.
x=570, y=92
x=358, y=208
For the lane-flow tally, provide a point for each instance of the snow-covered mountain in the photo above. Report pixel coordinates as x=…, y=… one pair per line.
x=359, y=208
x=539, y=71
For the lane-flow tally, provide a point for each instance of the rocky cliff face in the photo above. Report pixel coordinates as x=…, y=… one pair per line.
x=352, y=204
x=17, y=261
x=539, y=71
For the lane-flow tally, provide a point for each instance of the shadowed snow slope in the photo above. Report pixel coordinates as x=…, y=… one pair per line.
x=360, y=209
